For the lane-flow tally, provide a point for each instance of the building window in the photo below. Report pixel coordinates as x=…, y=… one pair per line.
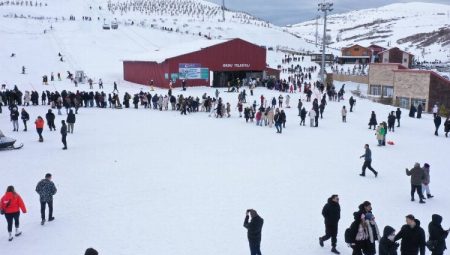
x=403, y=102
x=388, y=91
x=417, y=101
x=356, y=49
x=375, y=90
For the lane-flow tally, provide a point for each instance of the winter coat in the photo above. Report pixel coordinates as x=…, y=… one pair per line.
x=373, y=120
x=25, y=116
x=391, y=120
x=386, y=246
x=12, y=203
x=50, y=116
x=63, y=130
x=447, y=126
x=46, y=189
x=398, y=114
x=258, y=116
x=278, y=118
x=437, y=233
x=331, y=212
x=254, y=228
x=367, y=155
x=344, y=112
x=14, y=115
x=417, y=175
x=71, y=117
x=437, y=121
x=303, y=114
x=380, y=132
x=283, y=116
x=312, y=114
x=39, y=123
x=413, y=239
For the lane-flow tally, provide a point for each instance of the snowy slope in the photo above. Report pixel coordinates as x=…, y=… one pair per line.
x=385, y=26
x=150, y=182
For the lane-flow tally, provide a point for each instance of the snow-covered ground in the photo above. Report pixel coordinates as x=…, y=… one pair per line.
x=150, y=182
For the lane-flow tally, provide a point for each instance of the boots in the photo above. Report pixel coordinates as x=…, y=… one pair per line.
x=429, y=196
x=10, y=238
x=18, y=232
x=333, y=250
x=320, y=242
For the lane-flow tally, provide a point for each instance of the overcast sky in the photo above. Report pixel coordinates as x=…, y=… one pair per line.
x=283, y=12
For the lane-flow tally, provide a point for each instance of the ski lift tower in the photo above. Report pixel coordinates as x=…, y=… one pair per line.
x=223, y=10
x=325, y=7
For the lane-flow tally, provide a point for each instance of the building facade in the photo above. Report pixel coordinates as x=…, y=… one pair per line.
x=395, y=55
x=215, y=65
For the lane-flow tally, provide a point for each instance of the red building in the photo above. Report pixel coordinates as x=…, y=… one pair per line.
x=395, y=55
x=216, y=64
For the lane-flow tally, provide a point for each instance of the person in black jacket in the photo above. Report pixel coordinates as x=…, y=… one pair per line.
x=391, y=122
x=331, y=213
x=50, y=116
x=25, y=117
x=359, y=237
x=413, y=237
x=278, y=121
x=283, y=118
x=437, y=124
x=387, y=246
x=398, y=115
x=419, y=111
x=302, y=116
x=64, y=134
x=437, y=234
x=46, y=190
x=15, y=118
x=373, y=121
x=352, y=102
x=71, y=118
x=412, y=111
x=254, y=228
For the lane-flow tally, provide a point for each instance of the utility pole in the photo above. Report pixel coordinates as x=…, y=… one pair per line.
x=317, y=28
x=325, y=7
x=223, y=10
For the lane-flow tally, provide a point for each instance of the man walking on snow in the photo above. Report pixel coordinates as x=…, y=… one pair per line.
x=417, y=176
x=367, y=161
x=331, y=213
x=254, y=228
x=46, y=190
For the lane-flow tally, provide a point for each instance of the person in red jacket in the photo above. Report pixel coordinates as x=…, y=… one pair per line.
x=11, y=204
x=39, y=127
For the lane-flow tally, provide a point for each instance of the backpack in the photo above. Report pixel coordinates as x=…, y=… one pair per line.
x=348, y=236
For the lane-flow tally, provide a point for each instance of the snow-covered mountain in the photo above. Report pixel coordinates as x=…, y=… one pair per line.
x=420, y=28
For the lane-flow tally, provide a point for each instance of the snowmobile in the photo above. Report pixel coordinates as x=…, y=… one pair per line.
x=7, y=143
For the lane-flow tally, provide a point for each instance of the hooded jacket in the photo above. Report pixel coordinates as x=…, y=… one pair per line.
x=413, y=239
x=254, y=228
x=386, y=246
x=437, y=233
x=331, y=212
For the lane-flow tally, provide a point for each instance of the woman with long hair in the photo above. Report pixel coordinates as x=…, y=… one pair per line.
x=11, y=204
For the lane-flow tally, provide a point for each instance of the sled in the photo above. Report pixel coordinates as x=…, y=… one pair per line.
x=390, y=142
x=7, y=143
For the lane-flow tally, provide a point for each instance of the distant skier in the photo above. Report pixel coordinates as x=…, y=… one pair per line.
x=331, y=213
x=367, y=161
x=46, y=190
x=254, y=228
x=11, y=204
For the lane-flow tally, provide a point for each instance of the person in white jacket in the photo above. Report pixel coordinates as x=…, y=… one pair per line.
x=344, y=114
x=312, y=116
x=435, y=110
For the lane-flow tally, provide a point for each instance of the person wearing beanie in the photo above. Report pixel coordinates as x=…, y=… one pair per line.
x=91, y=251
x=426, y=181
x=387, y=246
